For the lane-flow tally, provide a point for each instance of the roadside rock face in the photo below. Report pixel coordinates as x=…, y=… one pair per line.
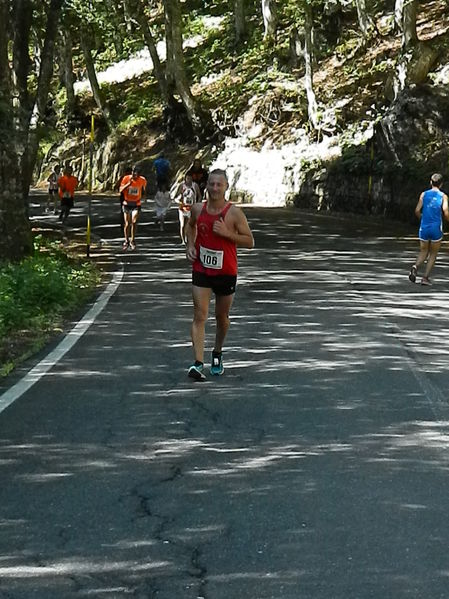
x=386, y=176
x=381, y=173
x=380, y=170
x=416, y=128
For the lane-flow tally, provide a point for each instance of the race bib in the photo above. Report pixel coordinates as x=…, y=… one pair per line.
x=188, y=197
x=133, y=191
x=211, y=258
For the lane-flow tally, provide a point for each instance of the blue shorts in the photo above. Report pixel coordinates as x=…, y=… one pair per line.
x=432, y=232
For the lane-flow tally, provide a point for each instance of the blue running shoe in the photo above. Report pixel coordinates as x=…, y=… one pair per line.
x=196, y=371
x=216, y=367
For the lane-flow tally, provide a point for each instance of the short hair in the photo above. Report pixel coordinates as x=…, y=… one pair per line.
x=136, y=169
x=219, y=171
x=436, y=179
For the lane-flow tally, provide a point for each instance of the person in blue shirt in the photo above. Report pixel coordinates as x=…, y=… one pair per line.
x=162, y=167
x=431, y=207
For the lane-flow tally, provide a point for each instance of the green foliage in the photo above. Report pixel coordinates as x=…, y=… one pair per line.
x=38, y=290
x=132, y=104
x=241, y=74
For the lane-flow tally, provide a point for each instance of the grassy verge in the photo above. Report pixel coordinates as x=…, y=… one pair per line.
x=37, y=295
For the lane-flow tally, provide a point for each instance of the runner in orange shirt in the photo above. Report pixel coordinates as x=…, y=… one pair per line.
x=67, y=185
x=133, y=187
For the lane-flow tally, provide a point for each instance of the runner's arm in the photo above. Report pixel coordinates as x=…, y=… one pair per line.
x=124, y=186
x=197, y=192
x=241, y=235
x=191, y=232
x=178, y=195
x=445, y=207
x=419, y=206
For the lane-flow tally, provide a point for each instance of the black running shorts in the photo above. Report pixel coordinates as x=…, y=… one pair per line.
x=67, y=202
x=130, y=207
x=220, y=284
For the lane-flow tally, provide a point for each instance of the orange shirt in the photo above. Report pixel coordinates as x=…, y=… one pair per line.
x=134, y=192
x=67, y=184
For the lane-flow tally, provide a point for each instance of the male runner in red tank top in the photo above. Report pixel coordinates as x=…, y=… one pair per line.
x=215, y=230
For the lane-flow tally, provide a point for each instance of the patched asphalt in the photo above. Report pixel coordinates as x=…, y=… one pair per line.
x=314, y=468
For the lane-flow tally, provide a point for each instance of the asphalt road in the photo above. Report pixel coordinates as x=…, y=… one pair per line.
x=315, y=468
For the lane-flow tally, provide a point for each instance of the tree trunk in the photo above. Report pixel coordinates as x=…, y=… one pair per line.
x=128, y=14
x=22, y=20
x=5, y=73
x=398, y=14
x=365, y=22
x=68, y=76
x=295, y=46
x=200, y=121
x=43, y=89
x=116, y=34
x=170, y=67
x=312, y=107
x=409, y=41
x=269, y=20
x=239, y=20
x=409, y=35
x=92, y=75
x=158, y=69
x=15, y=231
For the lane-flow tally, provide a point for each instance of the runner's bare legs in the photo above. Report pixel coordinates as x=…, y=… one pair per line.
x=201, y=298
x=223, y=305
x=127, y=226
x=135, y=218
x=424, y=249
x=431, y=257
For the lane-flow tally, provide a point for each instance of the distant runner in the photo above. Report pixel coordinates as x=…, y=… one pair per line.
x=214, y=231
x=127, y=171
x=53, y=196
x=431, y=207
x=199, y=175
x=162, y=167
x=162, y=201
x=67, y=185
x=133, y=187
x=187, y=195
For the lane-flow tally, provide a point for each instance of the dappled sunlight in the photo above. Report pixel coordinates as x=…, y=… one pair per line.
x=75, y=567
x=332, y=404
x=181, y=503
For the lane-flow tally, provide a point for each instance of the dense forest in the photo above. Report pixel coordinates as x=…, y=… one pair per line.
x=345, y=99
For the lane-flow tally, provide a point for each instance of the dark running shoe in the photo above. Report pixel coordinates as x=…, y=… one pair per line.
x=196, y=372
x=413, y=273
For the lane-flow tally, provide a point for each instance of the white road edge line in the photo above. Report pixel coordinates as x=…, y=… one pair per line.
x=36, y=373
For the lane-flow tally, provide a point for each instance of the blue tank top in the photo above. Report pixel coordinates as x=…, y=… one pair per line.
x=432, y=204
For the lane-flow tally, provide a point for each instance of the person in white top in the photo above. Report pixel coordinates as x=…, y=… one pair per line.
x=162, y=201
x=187, y=195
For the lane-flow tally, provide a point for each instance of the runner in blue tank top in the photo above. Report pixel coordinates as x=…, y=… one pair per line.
x=431, y=207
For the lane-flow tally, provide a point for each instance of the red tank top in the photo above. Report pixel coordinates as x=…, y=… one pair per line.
x=215, y=255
